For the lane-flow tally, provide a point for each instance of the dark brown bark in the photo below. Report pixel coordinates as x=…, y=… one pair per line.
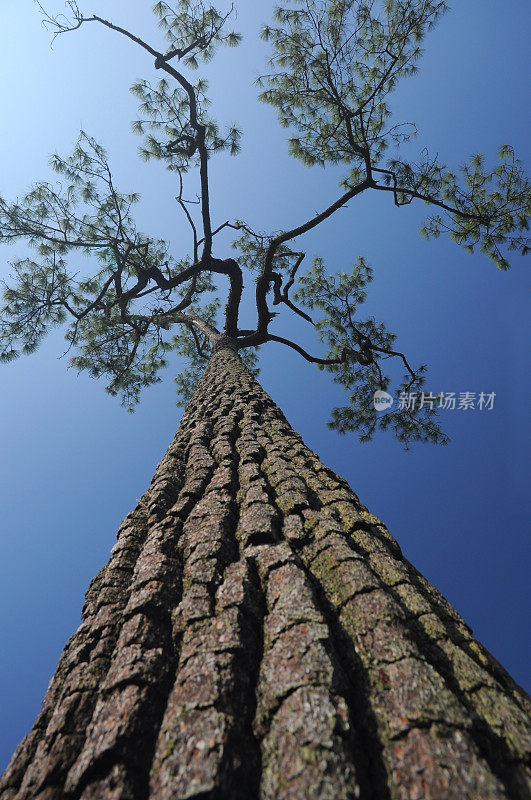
x=257, y=633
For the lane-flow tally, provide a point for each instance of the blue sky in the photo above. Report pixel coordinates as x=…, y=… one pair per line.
x=74, y=463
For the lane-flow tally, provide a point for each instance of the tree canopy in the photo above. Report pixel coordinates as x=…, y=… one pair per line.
x=334, y=65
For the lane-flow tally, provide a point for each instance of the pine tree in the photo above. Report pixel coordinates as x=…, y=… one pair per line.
x=257, y=632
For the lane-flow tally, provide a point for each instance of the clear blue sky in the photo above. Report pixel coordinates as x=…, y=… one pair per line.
x=73, y=462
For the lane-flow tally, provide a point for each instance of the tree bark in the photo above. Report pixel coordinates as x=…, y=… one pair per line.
x=257, y=633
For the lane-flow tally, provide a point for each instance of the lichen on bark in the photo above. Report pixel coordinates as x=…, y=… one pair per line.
x=257, y=633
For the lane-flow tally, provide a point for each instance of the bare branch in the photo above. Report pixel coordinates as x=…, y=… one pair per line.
x=265, y=278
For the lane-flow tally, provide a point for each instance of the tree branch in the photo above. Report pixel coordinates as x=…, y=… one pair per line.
x=271, y=337
x=161, y=62
x=283, y=297
x=266, y=277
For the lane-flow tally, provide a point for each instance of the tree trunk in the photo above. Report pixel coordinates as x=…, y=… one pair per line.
x=258, y=634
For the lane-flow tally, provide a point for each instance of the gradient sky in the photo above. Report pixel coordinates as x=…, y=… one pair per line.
x=73, y=462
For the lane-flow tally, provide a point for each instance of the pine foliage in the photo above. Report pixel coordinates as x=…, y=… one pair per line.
x=334, y=66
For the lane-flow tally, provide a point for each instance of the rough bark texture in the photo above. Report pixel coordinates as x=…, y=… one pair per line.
x=257, y=633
